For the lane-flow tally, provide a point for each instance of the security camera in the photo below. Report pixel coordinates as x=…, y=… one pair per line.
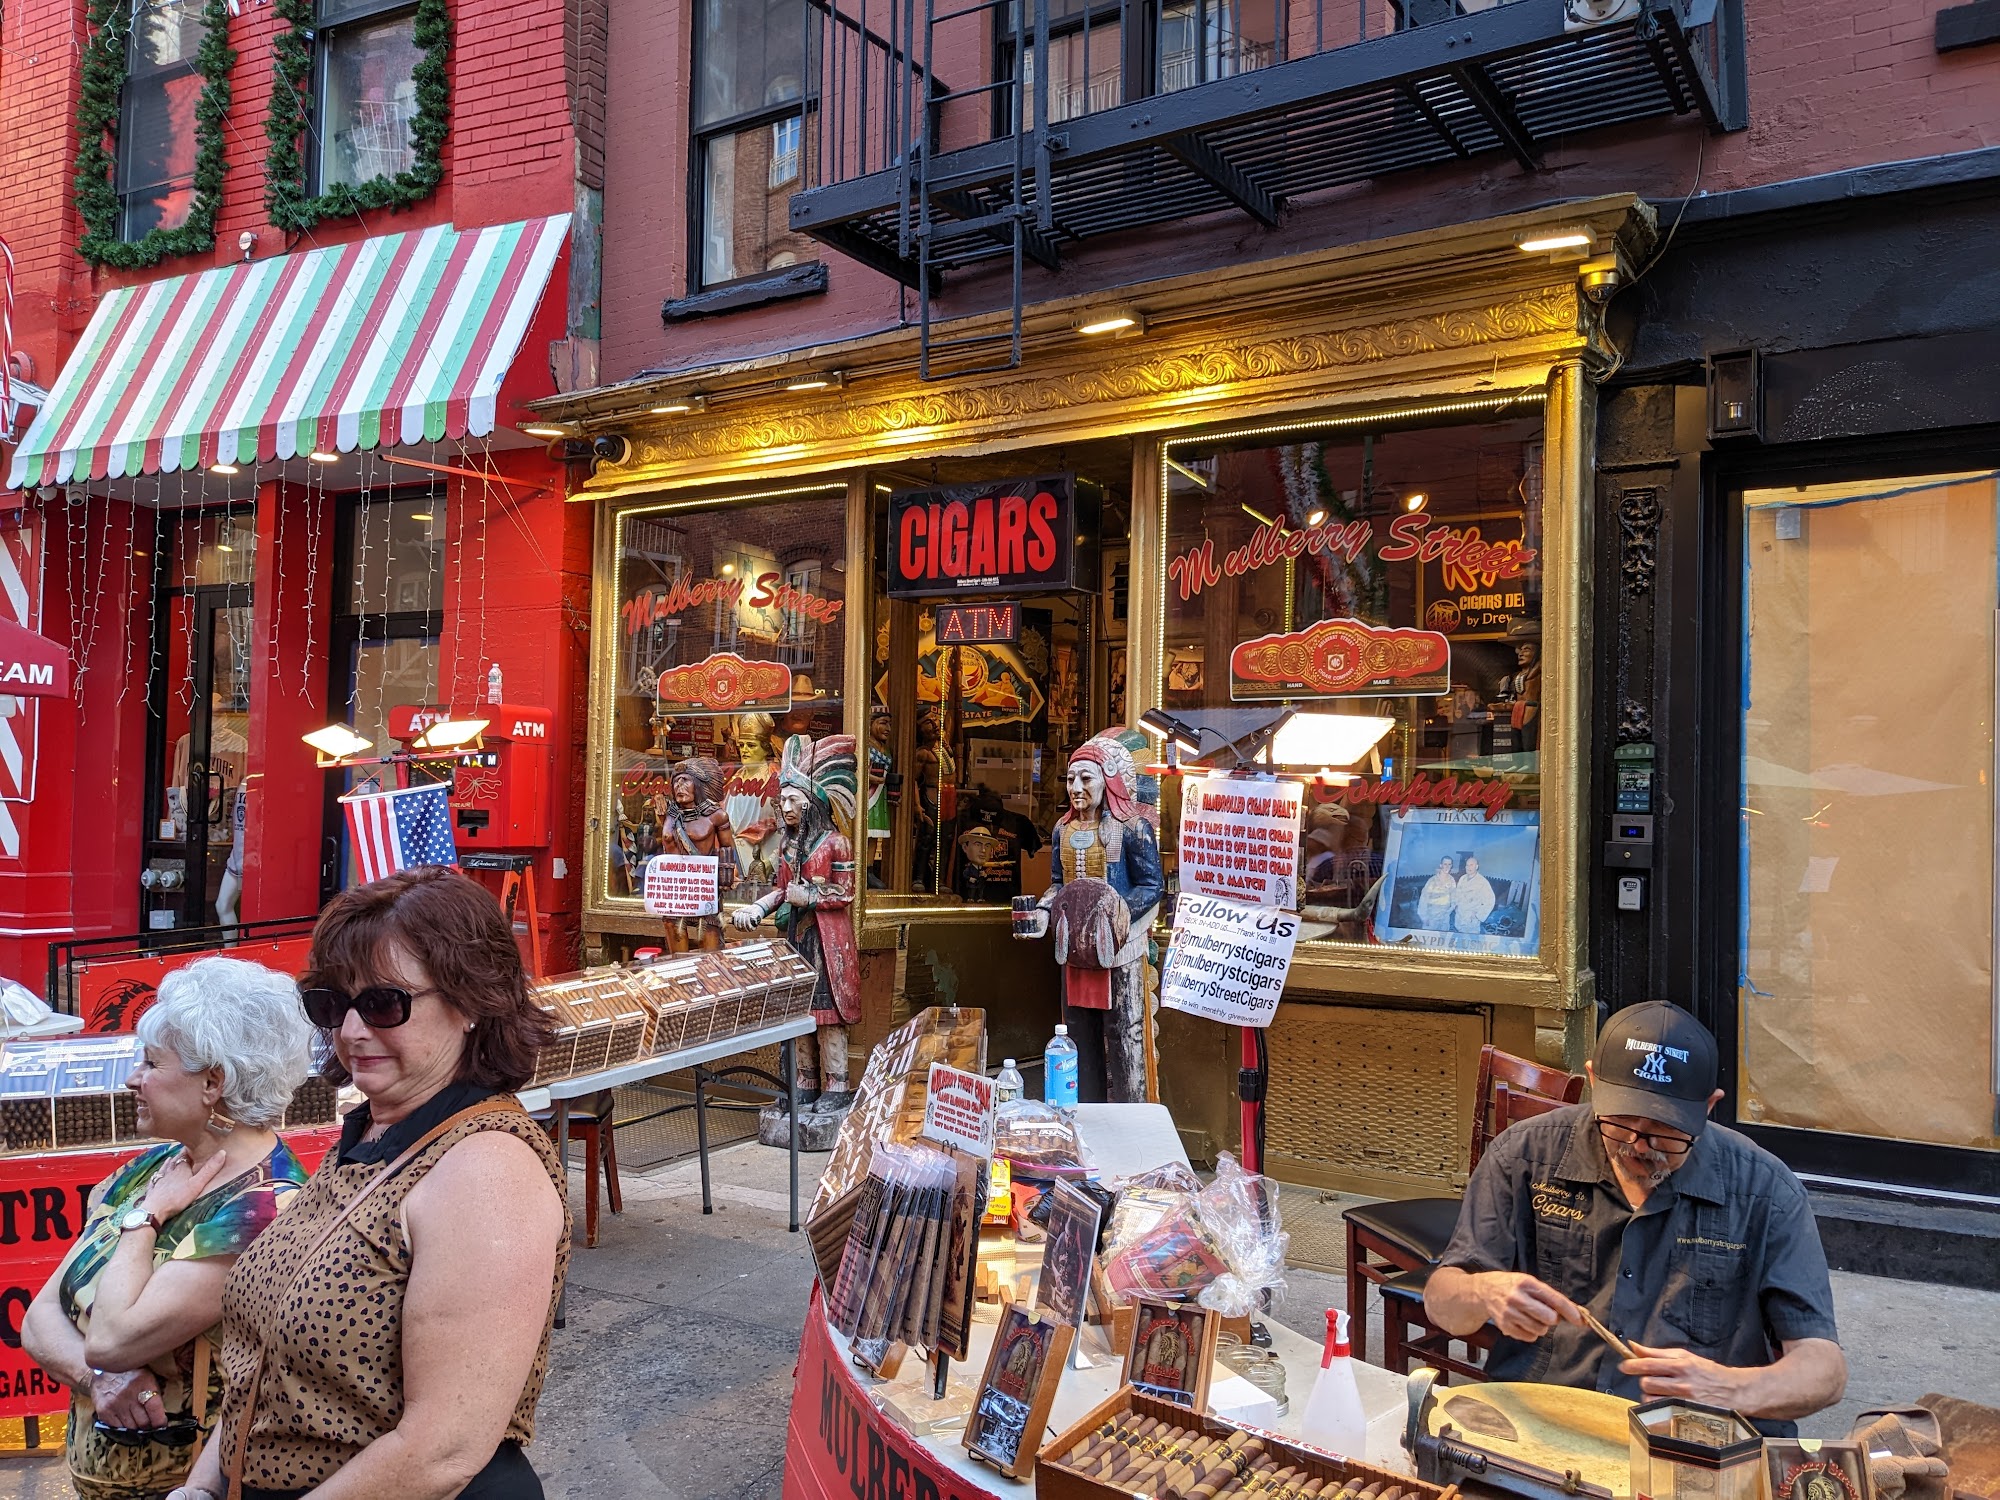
x=1600, y=279
x=610, y=449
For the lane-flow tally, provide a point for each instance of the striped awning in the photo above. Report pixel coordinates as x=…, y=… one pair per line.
x=401, y=338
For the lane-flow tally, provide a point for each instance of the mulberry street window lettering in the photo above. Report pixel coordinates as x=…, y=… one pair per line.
x=1391, y=570
x=731, y=631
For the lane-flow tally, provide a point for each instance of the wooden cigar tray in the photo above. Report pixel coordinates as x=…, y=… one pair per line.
x=1054, y=1480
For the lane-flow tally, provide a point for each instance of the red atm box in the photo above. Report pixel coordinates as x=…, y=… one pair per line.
x=501, y=800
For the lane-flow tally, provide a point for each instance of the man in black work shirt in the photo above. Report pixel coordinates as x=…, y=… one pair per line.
x=1694, y=1246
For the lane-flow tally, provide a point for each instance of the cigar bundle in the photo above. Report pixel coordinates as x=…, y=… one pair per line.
x=1133, y=1447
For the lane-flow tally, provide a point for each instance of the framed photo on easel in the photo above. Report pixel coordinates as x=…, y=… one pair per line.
x=1017, y=1390
x=1171, y=1351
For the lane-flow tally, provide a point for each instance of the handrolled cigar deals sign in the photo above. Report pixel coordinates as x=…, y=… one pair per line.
x=1228, y=961
x=682, y=885
x=959, y=1109
x=1240, y=839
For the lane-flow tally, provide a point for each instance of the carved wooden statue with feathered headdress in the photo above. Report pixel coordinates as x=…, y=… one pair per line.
x=813, y=902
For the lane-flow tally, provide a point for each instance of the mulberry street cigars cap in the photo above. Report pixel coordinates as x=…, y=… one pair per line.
x=1657, y=1062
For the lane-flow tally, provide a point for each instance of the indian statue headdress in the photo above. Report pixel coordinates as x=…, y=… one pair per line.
x=826, y=771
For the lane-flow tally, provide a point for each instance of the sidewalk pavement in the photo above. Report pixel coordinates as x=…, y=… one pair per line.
x=673, y=1378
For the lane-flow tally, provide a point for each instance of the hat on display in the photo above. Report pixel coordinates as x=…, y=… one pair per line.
x=1656, y=1062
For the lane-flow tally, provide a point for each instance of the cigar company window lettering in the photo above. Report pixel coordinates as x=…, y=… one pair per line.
x=1391, y=571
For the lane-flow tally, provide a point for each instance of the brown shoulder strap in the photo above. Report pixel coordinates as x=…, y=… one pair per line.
x=235, y=1453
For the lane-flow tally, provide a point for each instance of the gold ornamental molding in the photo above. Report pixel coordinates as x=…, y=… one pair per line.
x=1131, y=385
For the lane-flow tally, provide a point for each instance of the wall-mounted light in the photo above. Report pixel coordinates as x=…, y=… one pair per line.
x=817, y=380
x=545, y=430
x=336, y=743
x=1415, y=501
x=1110, y=320
x=219, y=468
x=321, y=456
x=1164, y=726
x=1574, y=239
x=1327, y=740
x=449, y=734
x=728, y=570
x=675, y=406
x=1316, y=516
x=420, y=515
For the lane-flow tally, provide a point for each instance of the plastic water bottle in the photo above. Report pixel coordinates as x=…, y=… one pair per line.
x=1059, y=1070
x=493, y=683
x=1008, y=1084
x=1333, y=1417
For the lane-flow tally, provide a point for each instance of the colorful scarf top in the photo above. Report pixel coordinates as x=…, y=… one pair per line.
x=221, y=1221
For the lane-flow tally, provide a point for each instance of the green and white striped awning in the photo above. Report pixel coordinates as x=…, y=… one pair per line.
x=401, y=338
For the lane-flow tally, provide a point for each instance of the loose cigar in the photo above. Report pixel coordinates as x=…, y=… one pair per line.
x=1373, y=1492
x=1312, y=1488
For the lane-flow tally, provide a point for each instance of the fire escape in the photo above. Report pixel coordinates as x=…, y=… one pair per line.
x=953, y=133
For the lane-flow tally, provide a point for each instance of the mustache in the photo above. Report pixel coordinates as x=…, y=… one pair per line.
x=1655, y=1166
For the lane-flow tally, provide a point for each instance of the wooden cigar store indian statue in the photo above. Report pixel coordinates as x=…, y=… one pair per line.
x=1105, y=881
x=694, y=822
x=813, y=901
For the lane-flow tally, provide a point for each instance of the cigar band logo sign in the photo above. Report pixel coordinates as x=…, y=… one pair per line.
x=1340, y=658
x=725, y=683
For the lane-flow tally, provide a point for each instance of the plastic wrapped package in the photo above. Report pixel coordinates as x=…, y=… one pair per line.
x=1241, y=1209
x=1032, y=1134
x=1220, y=1244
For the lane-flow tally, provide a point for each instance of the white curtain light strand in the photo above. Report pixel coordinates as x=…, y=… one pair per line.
x=315, y=505
x=152, y=587
x=479, y=662
x=436, y=499
x=274, y=586
x=364, y=521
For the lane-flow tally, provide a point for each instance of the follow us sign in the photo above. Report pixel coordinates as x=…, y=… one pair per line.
x=1228, y=961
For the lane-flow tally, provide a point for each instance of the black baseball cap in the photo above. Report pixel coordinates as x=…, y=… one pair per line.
x=1658, y=1062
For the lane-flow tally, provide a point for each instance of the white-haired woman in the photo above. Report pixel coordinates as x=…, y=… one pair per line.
x=125, y=1320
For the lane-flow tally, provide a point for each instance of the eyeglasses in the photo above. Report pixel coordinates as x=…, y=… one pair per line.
x=176, y=1434
x=1667, y=1143
x=380, y=1006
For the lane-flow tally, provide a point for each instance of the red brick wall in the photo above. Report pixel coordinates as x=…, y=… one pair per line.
x=1833, y=84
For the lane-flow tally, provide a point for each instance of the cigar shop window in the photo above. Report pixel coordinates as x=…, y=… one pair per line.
x=729, y=639
x=999, y=648
x=1390, y=574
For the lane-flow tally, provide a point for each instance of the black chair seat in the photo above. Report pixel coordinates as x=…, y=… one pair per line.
x=1409, y=1285
x=1421, y=1226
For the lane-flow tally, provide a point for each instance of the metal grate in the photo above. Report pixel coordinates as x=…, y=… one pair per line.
x=652, y=1138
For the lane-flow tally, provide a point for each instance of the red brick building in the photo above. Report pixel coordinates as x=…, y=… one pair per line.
x=365, y=260
x=1636, y=353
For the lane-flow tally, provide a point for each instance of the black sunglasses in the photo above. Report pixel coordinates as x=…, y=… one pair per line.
x=380, y=1006
x=175, y=1434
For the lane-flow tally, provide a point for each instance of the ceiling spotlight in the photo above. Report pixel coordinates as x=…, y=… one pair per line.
x=1416, y=501
x=728, y=570
x=1574, y=240
x=817, y=380
x=1111, y=320
x=675, y=406
x=1316, y=516
x=219, y=468
x=321, y=456
x=545, y=430
x=420, y=515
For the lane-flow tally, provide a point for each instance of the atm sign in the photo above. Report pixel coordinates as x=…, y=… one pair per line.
x=978, y=624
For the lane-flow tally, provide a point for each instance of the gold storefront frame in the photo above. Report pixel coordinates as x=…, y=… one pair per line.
x=1331, y=337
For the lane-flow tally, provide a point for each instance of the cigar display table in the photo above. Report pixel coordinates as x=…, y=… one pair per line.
x=853, y=1435
x=558, y=1094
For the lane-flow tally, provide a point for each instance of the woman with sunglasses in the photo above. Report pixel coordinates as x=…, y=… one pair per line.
x=128, y=1319
x=390, y=1335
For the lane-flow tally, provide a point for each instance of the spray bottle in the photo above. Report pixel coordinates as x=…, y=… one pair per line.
x=1333, y=1417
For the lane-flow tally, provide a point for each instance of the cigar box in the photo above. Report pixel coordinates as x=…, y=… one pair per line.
x=733, y=991
x=754, y=970
x=1056, y=1479
x=608, y=1003
x=673, y=993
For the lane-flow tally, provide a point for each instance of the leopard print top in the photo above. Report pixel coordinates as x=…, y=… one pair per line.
x=333, y=1373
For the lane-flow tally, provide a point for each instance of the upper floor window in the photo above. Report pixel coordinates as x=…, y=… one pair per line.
x=156, y=134
x=367, y=59
x=749, y=137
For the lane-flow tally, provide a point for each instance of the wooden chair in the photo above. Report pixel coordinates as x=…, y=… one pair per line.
x=590, y=1124
x=1399, y=1238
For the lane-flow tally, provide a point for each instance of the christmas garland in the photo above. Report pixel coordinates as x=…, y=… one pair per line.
x=102, y=80
x=285, y=196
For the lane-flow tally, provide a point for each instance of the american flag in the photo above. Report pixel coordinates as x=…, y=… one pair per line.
x=392, y=831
